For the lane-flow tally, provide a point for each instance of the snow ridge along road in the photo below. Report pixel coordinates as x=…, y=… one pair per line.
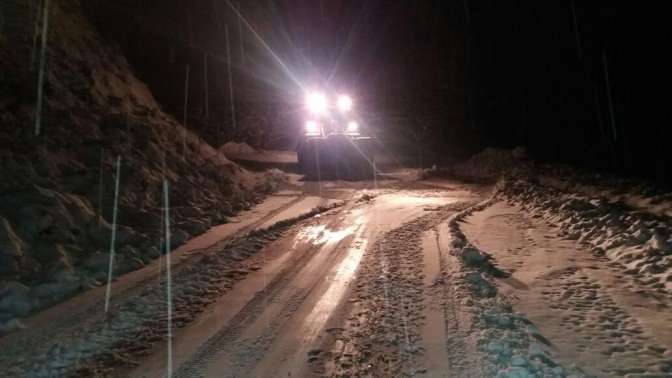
x=588, y=311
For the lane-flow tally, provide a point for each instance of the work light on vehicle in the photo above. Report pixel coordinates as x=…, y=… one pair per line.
x=344, y=103
x=316, y=103
x=312, y=127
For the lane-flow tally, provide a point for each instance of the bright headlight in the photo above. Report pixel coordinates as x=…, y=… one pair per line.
x=353, y=127
x=312, y=128
x=316, y=103
x=344, y=103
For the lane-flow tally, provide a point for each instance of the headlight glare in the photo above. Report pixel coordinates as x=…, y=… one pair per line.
x=316, y=103
x=344, y=103
x=312, y=127
x=353, y=127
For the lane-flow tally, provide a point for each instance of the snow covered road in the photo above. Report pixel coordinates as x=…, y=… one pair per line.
x=403, y=277
x=281, y=320
x=276, y=292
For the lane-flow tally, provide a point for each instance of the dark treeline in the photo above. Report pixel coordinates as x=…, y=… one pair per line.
x=575, y=82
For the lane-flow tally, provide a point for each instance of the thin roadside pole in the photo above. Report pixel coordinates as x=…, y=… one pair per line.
x=40, y=77
x=185, y=118
x=228, y=66
x=108, y=289
x=206, y=99
x=100, y=189
x=36, y=33
x=240, y=35
x=169, y=296
x=576, y=32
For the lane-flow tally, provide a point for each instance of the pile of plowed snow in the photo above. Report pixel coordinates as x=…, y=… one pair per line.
x=626, y=219
x=57, y=189
x=639, y=241
x=489, y=164
x=511, y=343
x=633, y=193
x=237, y=150
x=243, y=152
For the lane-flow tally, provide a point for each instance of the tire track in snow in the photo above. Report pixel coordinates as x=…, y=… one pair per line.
x=383, y=332
x=229, y=347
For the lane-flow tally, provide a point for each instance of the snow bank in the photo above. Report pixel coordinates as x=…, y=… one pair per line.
x=510, y=341
x=494, y=163
x=636, y=194
x=234, y=150
x=639, y=241
x=57, y=189
x=489, y=165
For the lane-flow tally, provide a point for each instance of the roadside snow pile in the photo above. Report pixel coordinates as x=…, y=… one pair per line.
x=57, y=189
x=234, y=150
x=634, y=193
x=494, y=163
x=512, y=344
x=489, y=164
x=639, y=241
x=244, y=152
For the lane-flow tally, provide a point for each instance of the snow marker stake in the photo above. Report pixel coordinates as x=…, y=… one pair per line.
x=169, y=297
x=40, y=77
x=232, y=98
x=114, y=235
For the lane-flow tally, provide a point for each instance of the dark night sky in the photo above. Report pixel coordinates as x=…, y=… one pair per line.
x=532, y=88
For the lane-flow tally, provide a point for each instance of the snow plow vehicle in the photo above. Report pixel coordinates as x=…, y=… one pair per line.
x=334, y=145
